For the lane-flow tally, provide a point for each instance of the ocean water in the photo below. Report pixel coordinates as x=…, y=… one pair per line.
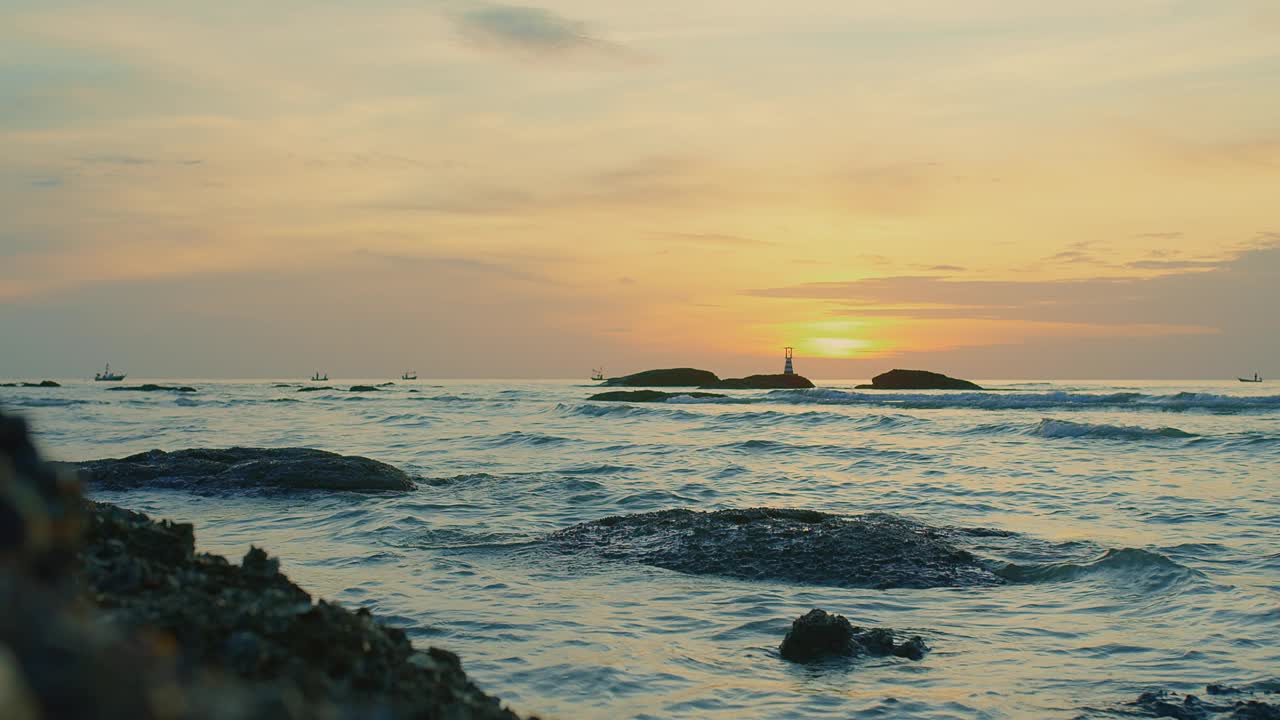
x=1147, y=547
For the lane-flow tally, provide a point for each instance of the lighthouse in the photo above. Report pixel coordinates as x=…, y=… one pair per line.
x=788, y=369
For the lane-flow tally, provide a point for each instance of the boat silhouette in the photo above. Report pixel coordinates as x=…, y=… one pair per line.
x=107, y=376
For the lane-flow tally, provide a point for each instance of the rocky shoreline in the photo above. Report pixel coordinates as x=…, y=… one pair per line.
x=107, y=613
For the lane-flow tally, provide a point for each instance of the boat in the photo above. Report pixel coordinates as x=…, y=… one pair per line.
x=107, y=376
x=320, y=378
x=1256, y=378
x=409, y=375
x=598, y=374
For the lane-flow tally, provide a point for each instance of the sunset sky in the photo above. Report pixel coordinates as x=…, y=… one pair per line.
x=989, y=188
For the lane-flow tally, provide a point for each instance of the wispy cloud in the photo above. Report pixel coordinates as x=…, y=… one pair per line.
x=109, y=159
x=1230, y=293
x=532, y=31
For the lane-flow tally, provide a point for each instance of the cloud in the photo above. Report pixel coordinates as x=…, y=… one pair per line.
x=48, y=181
x=531, y=30
x=1159, y=235
x=460, y=264
x=1172, y=264
x=1236, y=293
x=115, y=160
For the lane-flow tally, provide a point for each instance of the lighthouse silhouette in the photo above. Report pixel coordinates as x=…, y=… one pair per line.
x=788, y=369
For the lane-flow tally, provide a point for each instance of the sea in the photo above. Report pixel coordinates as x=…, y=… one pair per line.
x=1146, y=547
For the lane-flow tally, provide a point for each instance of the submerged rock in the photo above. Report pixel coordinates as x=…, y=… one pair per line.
x=647, y=396
x=314, y=389
x=271, y=468
x=363, y=388
x=671, y=377
x=42, y=383
x=875, y=550
x=779, y=381
x=917, y=380
x=818, y=634
x=135, y=624
x=1259, y=702
x=150, y=387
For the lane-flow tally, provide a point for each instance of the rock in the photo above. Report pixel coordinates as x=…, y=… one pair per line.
x=135, y=623
x=765, y=382
x=363, y=388
x=875, y=550
x=647, y=396
x=260, y=468
x=42, y=383
x=1251, y=706
x=672, y=377
x=314, y=389
x=150, y=387
x=917, y=380
x=818, y=634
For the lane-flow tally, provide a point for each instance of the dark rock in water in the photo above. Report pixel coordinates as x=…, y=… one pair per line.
x=672, y=377
x=314, y=389
x=875, y=550
x=917, y=380
x=1250, y=706
x=149, y=387
x=386, y=384
x=765, y=382
x=647, y=396
x=363, y=388
x=136, y=624
x=260, y=468
x=818, y=634
x=42, y=383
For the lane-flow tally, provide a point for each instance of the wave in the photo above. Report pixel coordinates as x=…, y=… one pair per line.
x=1049, y=428
x=621, y=410
x=691, y=400
x=1134, y=564
x=1179, y=402
x=52, y=402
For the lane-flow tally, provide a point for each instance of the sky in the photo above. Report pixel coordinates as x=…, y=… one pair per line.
x=987, y=188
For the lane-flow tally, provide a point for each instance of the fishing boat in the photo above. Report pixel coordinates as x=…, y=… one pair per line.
x=409, y=375
x=320, y=378
x=598, y=374
x=107, y=376
x=1256, y=378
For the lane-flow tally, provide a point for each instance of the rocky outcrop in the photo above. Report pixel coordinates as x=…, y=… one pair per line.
x=42, y=383
x=126, y=620
x=648, y=396
x=314, y=389
x=150, y=387
x=875, y=550
x=765, y=382
x=1258, y=702
x=671, y=377
x=364, y=388
x=818, y=634
x=917, y=380
x=247, y=468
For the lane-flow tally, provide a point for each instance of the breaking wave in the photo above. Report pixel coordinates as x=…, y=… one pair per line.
x=1050, y=428
x=1179, y=402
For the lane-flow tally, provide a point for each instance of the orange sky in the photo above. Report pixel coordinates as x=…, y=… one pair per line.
x=546, y=188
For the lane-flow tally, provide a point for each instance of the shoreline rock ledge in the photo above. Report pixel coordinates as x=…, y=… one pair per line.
x=106, y=613
x=917, y=380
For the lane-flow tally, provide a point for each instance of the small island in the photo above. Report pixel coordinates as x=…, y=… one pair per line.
x=917, y=380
